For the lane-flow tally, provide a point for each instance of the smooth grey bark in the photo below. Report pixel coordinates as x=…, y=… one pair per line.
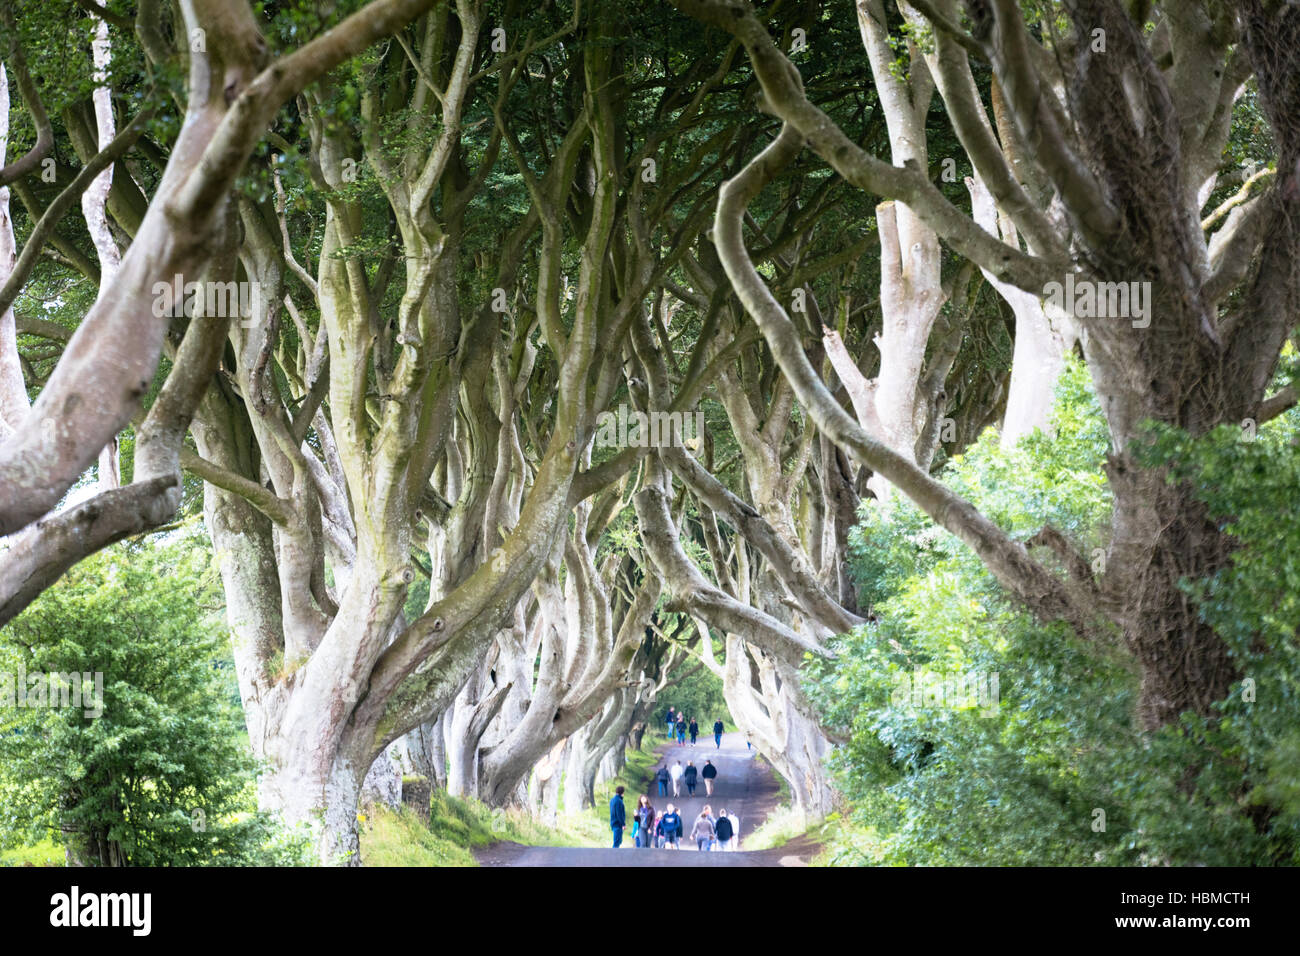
x=14, y=404
x=111, y=358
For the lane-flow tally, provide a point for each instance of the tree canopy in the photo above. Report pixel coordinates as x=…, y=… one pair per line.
x=524, y=359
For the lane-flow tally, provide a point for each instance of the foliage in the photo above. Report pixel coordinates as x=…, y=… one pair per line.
x=699, y=695
x=163, y=775
x=45, y=853
x=1056, y=771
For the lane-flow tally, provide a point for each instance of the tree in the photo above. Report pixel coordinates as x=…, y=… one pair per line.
x=151, y=766
x=1128, y=147
x=973, y=734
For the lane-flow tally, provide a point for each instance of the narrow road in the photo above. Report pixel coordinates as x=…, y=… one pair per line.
x=745, y=787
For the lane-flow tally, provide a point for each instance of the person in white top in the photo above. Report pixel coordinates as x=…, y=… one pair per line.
x=676, y=773
x=734, y=843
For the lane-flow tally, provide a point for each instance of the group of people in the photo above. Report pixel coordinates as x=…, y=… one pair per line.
x=690, y=775
x=666, y=830
x=678, y=723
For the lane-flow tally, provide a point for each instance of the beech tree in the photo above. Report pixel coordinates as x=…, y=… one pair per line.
x=1128, y=130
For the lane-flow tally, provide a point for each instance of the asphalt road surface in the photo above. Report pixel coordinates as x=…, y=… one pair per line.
x=745, y=787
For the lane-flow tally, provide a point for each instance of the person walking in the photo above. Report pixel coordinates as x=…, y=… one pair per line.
x=735, y=831
x=681, y=731
x=690, y=775
x=694, y=728
x=717, y=733
x=645, y=822
x=702, y=832
x=671, y=718
x=661, y=777
x=709, y=773
x=617, y=816
x=670, y=824
x=722, y=829
x=676, y=774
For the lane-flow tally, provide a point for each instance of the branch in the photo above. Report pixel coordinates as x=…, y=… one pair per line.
x=694, y=592
x=31, y=96
x=861, y=391
x=1042, y=122
x=122, y=23
x=1232, y=248
x=1074, y=562
x=44, y=551
x=950, y=29
x=783, y=95
x=787, y=564
x=989, y=159
x=1237, y=199
x=1273, y=406
x=1007, y=559
x=263, y=499
x=255, y=105
x=45, y=226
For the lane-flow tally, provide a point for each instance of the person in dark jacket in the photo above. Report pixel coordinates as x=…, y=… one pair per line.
x=717, y=733
x=670, y=719
x=708, y=773
x=681, y=731
x=670, y=824
x=661, y=777
x=722, y=829
x=690, y=775
x=694, y=728
x=645, y=820
x=617, y=816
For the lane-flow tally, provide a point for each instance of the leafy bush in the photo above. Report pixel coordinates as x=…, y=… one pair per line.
x=163, y=776
x=1058, y=772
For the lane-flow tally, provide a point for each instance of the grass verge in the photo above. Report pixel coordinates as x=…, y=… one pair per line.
x=786, y=825
x=454, y=828
x=45, y=853
x=635, y=776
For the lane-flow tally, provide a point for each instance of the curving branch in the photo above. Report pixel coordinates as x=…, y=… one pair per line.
x=44, y=228
x=28, y=162
x=693, y=592
x=1005, y=557
x=111, y=359
x=789, y=567
x=784, y=96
